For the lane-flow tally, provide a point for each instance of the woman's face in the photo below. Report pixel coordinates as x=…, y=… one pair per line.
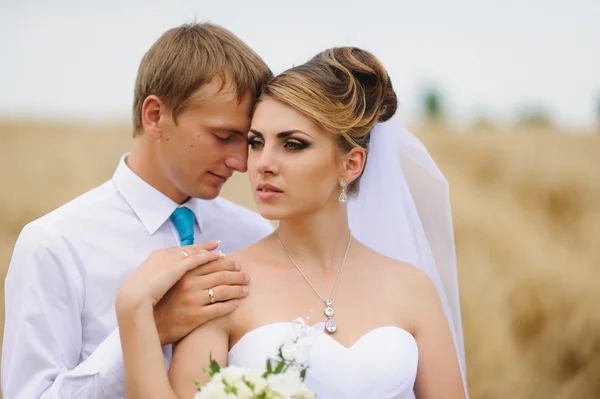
x=292, y=163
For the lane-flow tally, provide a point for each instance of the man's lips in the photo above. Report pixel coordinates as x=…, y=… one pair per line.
x=221, y=178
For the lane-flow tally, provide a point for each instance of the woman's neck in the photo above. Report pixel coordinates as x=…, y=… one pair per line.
x=317, y=243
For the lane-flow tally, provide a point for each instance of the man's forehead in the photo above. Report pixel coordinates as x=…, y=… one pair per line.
x=215, y=88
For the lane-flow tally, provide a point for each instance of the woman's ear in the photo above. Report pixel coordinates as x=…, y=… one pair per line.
x=353, y=164
x=152, y=110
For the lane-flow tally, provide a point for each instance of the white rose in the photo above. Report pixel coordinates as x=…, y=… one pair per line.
x=287, y=351
x=242, y=390
x=306, y=394
x=232, y=373
x=287, y=384
x=255, y=378
x=214, y=390
x=234, y=377
x=301, y=354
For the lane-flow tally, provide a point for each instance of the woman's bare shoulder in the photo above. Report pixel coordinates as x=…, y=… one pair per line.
x=397, y=273
x=250, y=256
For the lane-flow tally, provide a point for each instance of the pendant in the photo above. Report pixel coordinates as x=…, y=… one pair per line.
x=330, y=326
x=329, y=312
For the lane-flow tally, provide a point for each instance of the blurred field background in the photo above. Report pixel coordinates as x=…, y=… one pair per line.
x=505, y=96
x=526, y=206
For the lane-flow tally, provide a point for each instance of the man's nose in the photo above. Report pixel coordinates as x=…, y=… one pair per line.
x=238, y=158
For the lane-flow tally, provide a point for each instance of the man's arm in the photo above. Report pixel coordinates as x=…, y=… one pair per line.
x=44, y=297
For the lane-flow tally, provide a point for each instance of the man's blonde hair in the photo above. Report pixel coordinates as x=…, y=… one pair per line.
x=186, y=57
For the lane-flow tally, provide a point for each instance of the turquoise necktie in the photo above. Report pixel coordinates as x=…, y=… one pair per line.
x=183, y=219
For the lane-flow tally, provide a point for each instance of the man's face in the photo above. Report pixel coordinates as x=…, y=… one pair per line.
x=208, y=143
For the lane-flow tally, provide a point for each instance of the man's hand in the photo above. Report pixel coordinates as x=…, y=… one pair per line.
x=187, y=304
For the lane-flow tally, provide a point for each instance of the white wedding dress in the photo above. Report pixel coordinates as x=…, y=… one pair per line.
x=402, y=211
x=382, y=364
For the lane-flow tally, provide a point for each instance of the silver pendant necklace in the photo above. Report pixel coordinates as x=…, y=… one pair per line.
x=330, y=325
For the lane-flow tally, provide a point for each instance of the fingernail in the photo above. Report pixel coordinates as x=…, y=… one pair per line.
x=247, y=278
x=238, y=266
x=245, y=289
x=215, y=242
x=221, y=254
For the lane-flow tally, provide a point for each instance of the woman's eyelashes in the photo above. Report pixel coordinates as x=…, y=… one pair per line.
x=290, y=144
x=254, y=142
x=295, y=144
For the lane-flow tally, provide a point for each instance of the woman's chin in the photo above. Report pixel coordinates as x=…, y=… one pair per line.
x=271, y=212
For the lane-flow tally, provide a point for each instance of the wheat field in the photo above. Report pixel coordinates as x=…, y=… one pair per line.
x=527, y=221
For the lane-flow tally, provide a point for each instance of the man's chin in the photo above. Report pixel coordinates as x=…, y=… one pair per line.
x=207, y=192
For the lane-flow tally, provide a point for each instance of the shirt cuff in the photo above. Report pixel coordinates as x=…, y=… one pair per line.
x=108, y=360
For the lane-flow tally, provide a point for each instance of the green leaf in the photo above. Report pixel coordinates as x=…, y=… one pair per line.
x=280, y=367
x=249, y=384
x=269, y=367
x=214, y=366
x=229, y=388
x=303, y=374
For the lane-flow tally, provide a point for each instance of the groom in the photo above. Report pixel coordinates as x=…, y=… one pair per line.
x=193, y=98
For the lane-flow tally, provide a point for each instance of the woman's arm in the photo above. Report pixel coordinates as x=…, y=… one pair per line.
x=191, y=356
x=438, y=372
x=145, y=373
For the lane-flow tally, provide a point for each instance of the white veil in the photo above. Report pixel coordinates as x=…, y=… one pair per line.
x=402, y=210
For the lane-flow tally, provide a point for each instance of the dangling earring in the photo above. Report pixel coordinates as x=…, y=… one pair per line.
x=343, y=197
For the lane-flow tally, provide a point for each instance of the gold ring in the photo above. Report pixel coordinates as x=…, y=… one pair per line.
x=185, y=253
x=211, y=296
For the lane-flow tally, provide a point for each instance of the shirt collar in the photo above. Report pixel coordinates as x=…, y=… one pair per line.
x=152, y=207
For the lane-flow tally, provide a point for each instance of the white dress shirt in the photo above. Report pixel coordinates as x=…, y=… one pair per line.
x=60, y=337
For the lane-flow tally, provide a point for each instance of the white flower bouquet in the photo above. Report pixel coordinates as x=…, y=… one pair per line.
x=283, y=378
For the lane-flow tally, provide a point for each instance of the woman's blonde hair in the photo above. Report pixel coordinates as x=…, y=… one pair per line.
x=343, y=90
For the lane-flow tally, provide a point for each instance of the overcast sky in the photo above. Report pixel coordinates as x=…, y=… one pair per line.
x=78, y=59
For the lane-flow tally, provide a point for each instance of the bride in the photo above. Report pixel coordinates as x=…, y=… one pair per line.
x=363, y=253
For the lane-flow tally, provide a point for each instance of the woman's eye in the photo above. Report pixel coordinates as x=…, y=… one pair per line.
x=254, y=143
x=294, y=145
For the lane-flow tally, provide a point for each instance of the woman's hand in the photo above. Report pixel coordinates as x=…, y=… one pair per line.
x=160, y=271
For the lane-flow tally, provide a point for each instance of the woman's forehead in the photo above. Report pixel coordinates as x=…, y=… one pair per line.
x=272, y=117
